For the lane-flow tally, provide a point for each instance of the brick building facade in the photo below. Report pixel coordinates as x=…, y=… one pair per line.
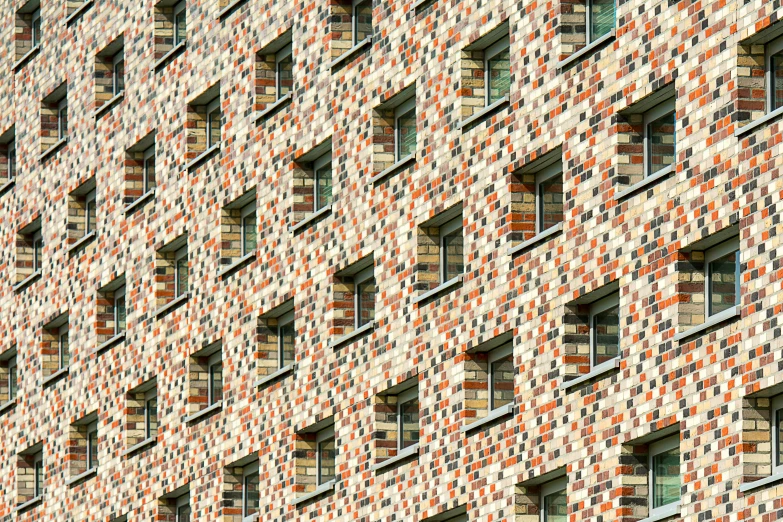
x=405, y=260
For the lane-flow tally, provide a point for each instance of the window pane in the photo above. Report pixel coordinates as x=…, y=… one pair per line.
x=606, y=335
x=556, y=507
x=602, y=14
x=39, y=478
x=151, y=420
x=661, y=143
x=366, y=311
x=93, y=450
x=36, y=31
x=452, y=256
x=502, y=382
x=326, y=449
x=287, y=336
x=550, y=202
x=119, y=77
x=12, y=384
x=249, y=233
x=149, y=173
x=666, y=477
x=65, y=355
x=499, y=72
x=779, y=428
x=182, y=276
x=120, y=315
x=38, y=254
x=410, y=423
x=323, y=186
x=777, y=80
x=216, y=382
x=723, y=283
x=11, y=161
x=213, y=120
x=90, y=215
x=183, y=513
x=181, y=28
x=362, y=26
x=285, y=76
x=406, y=134
x=251, y=497
x=63, y=122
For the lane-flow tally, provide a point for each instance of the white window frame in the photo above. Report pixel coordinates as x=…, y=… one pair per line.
x=36, y=18
x=119, y=294
x=360, y=277
x=62, y=331
x=596, y=308
x=214, y=360
x=444, y=230
x=501, y=352
x=355, y=20
x=37, y=260
x=247, y=473
x=281, y=55
x=589, y=21
x=148, y=153
x=178, y=255
x=649, y=117
x=656, y=448
x=712, y=254
x=149, y=395
x=542, y=177
x=61, y=125
x=38, y=473
x=771, y=49
x=92, y=430
x=182, y=501
x=284, y=320
x=317, y=164
x=401, y=110
x=115, y=61
x=320, y=437
x=11, y=157
x=246, y=211
x=89, y=198
x=489, y=53
x=12, y=364
x=549, y=488
x=403, y=398
x=212, y=108
x=178, y=8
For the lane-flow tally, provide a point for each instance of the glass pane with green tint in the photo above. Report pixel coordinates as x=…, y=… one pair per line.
x=287, y=339
x=65, y=353
x=453, y=256
x=252, y=497
x=362, y=27
x=181, y=28
x=502, y=382
x=326, y=450
x=661, y=146
x=366, y=309
x=151, y=420
x=499, y=72
x=779, y=434
x=602, y=18
x=406, y=134
x=93, y=443
x=724, y=281
x=606, y=335
x=91, y=208
x=121, y=314
x=556, y=507
x=213, y=120
x=666, y=477
x=249, y=233
x=323, y=186
x=216, y=382
x=285, y=76
x=410, y=423
x=550, y=202
x=182, y=276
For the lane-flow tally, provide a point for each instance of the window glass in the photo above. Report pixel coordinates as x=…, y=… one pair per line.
x=502, y=372
x=216, y=382
x=550, y=202
x=606, y=335
x=777, y=81
x=119, y=76
x=36, y=28
x=452, y=257
x=723, y=283
x=151, y=416
x=285, y=75
x=499, y=72
x=12, y=380
x=326, y=452
x=410, y=423
x=213, y=120
x=11, y=161
x=183, y=513
x=180, y=27
x=182, y=275
x=362, y=26
x=323, y=186
x=661, y=143
x=666, y=477
x=92, y=441
x=602, y=17
x=62, y=117
x=39, y=476
x=406, y=134
x=149, y=172
x=287, y=336
x=366, y=312
x=251, y=495
x=90, y=211
x=249, y=233
x=65, y=355
x=556, y=507
x=120, y=314
x=37, y=253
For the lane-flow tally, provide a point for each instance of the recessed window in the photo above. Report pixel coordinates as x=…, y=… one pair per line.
x=215, y=372
x=604, y=320
x=140, y=178
x=549, y=197
x=776, y=418
x=172, y=274
x=62, y=119
x=55, y=348
x=497, y=71
x=9, y=377
x=92, y=445
x=500, y=376
x=181, y=272
x=405, y=129
x=440, y=260
x=63, y=348
x=118, y=73
x=111, y=317
x=54, y=119
x=600, y=18
x=322, y=169
x=361, y=20
x=554, y=501
x=8, y=162
x=485, y=81
x=170, y=29
x=213, y=123
x=284, y=68
x=324, y=456
x=351, y=25
x=203, y=126
x=364, y=297
x=150, y=413
x=394, y=133
x=141, y=416
x=82, y=212
x=286, y=339
x=29, y=252
x=27, y=30
x=37, y=250
x=183, y=509
x=407, y=418
x=30, y=474
x=11, y=160
x=35, y=33
x=180, y=23
x=250, y=492
x=659, y=138
x=276, y=341
x=148, y=174
x=274, y=74
x=664, y=466
x=38, y=469
x=205, y=381
x=120, y=318
x=451, y=250
x=248, y=228
x=238, y=231
x=722, y=266
x=774, y=74
x=312, y=186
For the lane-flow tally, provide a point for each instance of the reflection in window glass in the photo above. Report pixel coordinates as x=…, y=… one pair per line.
x=602, y=18
x=777, y=81
x=410, y=423
x=285, y=75
x=550, y=202
x=556, y=507
x=499, y=71
x=406, y=134
x=453, y=255
x=326, y=452
x=182, y=276
x=323, y=186
x=724, y=283
x=366, y=311
x=502, y=386
x=249, y=233
x=606, y=335
x=666, y=477
x=779, y=428
x=287, y=337
x=252, y=496
x=661, y=143
x=151, y=417
x=362, y=21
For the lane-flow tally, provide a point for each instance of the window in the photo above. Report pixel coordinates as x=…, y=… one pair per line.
x=180, y=25
x=27, y=31
x=322, y=168
x=63, y=350
x=500, y=376
x=722, y=289
x=248, y=229
x=111, y=316
x=36, y=28
x=238, y=233
x=54, y=120
x=13, y=378
x=351, y=28
x=276, y=343
x=407, y=418
x=600, y=18
x=11, y=158
x=215, y=371
x=776, y=411
x=30, y=475
x=183, y=508
x=361, y=20
x=140, y=178
x=405, y=129
x=549, y=197
x=150, y=411
x=659, y=138
x=774, y=74
x=250, y=493
x=172, y=275
x=9, y=385
x=553, y=501
x=29, y=253
x=62, y=119
x=286, y=338
x=364, y=297
x=274, y=75
x=82, y=212
x=664, y=476
x=89, y=210
x=120, y=322
x=324, y=456
x=81, y=451
x=148, y=173
x=497, y=71
x=604, y=323
x=181, y=272
x=38, y=472
x=170, y=30
x=284, y=68
x=213, y=123
x=37, y=250
x=203, y=126
x=92, y=445
x=451, y=255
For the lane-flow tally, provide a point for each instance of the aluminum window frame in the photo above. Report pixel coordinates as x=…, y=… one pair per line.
x=404, y=397
x=401, y=111
x=182, y=501
x=322, y=436
x=13, y=377
x=359, y=278
x=490, y=52
x=771, y=49
x=149, y=153
x=149, y=396
x=212, y=108
x=119, y=294
x=117, y=59
x=178, y=8
x=92, y=431
x=284, y=320
x=444, y=230
x=35, y=22
x=38, y=474
x=245, y=212
x=595, y=308
x=180, y=254
x=62, y=331
x=493, y=356
x=355, y=19
x=711, y=255
x=648, y=118
x=11, y=158
x=542, y=176
x=247, y=473
x=286, y=51
x=547, y=489
x=216, y=359
x=318, y=163
x=62, y=125
x=38, y=244
x=656, y=448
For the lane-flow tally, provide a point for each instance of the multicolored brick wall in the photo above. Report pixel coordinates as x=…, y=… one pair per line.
x=709, y=388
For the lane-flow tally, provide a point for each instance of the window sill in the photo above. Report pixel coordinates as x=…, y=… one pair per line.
x=484, y=113
x=170, y=55
x=285, y=100
x=497, y=413
x=27, y=281
x=411, y=451
x=236, y=265
x=404, y=162
x=328, y=487
x=84, y=241
x=8, y=185
x=599, y=371
x=758, y=123
x=24, y=59
x=76, y=14
x=268, y=379
x=206, y=412
x=359, y=332
x=350, y=52
x=306, y=222
x=51, y=150
x=443, y=288
x=8, y=405
x=171, y=305
x=82, y=477
x=716, y=319
x=646, y=182
x=672, y=510
x=760, y=483
x=56, y=376
x=140, y=446
x=27, y=505
x=117, y=339
x=204, y=156
x=103, y=109
x=223, y=13
x=582, y=53
x=538, y=238
x=140, y=201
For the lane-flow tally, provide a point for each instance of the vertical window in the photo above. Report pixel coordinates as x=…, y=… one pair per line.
x=659, y=138
x=497, y=71
x=407, y=418
x=37, y=251
x=549, y=198
x=213, y=122
x=248, y=228
x=451, y=255
x=62, y=119
x=36, y=28
x=148, y=180
x=11, y=160
x=361, y=17
x=364, y=297
x=324, y=456
x=286, y=337
x=664, y=469
x=215, y=366
x=92, y=445
x=150, y=413
x=118, y=73
x=604, y=330
x=13, y=383
x=183, y=508
x=181, y=271
x=500, y=376
x=63, y=351
x=722, y=267
x=600, y=18
x=774, y=67
x=38, y=471
x=553, y=501
x=120, y=311
x=776, y=414
x=250, y=493
x=323, y=181
x=405, y=129
x=89, y=212
x=180, y=27
x=284, y=68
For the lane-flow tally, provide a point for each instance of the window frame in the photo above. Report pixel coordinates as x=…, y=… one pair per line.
x=247, y=472
x=38, y=473
x=318, y=163
x=179, y=254
x=92, y=430
x=212, y=108
x=649, y=117
x=149, y=152
x=542, y=176
x=62, y=129
x=771, y=49
x=284, y=320
x=216, y=359
x=181, y=502
x=547, y=489
x=282, y=54
x=118, y=58
x=355, y=20
x=178, y=8
x=11, y=158
x=245, y=212
x=490, y=52
x=494, y=356
x=35, y=18
x=149, y=395
x=119, y=293
x=711, y=255
x=13, y=370
x=321, y=437
x=656, y=448
x=404, y=397
x=37, y=238
x=359, y=278
x=444, y=230
x=90, y=197
x=62, y=331
x=400, y=112
x=596, y=307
